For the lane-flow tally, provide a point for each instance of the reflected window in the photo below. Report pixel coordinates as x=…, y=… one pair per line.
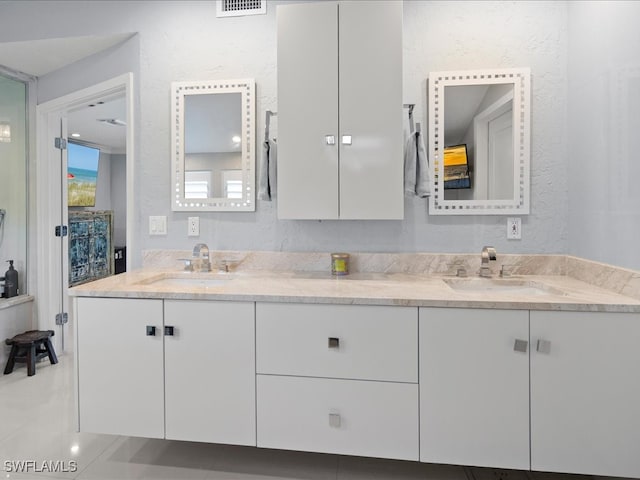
x=197, y=184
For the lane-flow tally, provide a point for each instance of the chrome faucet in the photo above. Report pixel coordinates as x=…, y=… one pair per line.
x=488, y=254
x=201, y=252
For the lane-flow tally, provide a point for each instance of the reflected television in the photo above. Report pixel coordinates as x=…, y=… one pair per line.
x=82, y=175
x=456, y=167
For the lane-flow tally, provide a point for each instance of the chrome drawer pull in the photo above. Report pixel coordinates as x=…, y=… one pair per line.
x=334, y=342
x=346, y=139
x=330, y=139
x=334, y=420
x=544, y=346
x=520, y=345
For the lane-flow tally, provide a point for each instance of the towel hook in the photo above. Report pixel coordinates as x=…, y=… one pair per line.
x=410, y=106
x=267, y=121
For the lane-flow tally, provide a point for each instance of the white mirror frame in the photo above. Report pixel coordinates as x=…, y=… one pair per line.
x=521, y=80
x=246, y=87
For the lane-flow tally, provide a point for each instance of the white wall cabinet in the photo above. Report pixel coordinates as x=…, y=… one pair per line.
x=120, y=366
x=189, y=377
x=585, y=393
x=210, y=371
x=340, y=119
x=474, y=387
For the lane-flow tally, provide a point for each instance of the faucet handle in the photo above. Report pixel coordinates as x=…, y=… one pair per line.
x=188, y=264
x=506, y=270
x=459, y=268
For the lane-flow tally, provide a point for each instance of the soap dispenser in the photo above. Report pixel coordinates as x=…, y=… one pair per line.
x=11, y=281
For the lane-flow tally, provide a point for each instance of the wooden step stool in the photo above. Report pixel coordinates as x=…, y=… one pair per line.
x=28, y=347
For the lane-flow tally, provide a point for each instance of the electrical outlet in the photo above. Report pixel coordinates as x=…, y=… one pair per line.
x=514, y=228
x=158, y=225
x=193, y=227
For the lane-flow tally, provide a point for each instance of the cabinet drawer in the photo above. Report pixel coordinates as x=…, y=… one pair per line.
x=350, y=417
x=338, y=341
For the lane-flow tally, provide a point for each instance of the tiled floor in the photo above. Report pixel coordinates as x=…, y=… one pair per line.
x=37, y=424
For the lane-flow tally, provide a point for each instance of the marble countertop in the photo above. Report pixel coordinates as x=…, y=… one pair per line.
x=531, y=292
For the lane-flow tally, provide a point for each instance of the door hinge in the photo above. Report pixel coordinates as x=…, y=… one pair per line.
x=61, y=230
x=62, y=318
x=61, y=143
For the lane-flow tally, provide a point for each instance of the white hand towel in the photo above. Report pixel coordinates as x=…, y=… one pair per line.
x=410, y=165
x=267, y=172
x=416, y=167
x=423, y=184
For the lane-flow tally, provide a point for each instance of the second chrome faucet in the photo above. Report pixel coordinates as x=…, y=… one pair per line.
x=487, y=255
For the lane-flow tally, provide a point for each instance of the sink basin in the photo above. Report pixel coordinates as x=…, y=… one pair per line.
x=502, y=285
x=200, y=282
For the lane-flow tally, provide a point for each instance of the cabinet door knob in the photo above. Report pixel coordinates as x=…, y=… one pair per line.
x=520, y=345
x=168, y=331
x=334, y=420
x=334, y=342
x=151, y=331
x=543, y=346
x=346, y=139
x=330, y=139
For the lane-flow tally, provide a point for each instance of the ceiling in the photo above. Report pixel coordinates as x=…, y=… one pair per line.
x=86, y=121
x=39, y=57
x=461, y=105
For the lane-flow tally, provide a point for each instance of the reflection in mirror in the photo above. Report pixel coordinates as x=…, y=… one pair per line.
x=213, y=151
x=479, y=139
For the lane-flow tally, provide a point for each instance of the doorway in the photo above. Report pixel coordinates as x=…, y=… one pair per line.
x=109, y=104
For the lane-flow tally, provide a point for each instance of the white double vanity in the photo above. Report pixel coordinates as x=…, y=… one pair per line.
x=531, y=372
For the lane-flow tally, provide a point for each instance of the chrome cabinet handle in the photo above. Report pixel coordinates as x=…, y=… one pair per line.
x=346, y=139
x=330, y=139
x=543, y=346
x=151, y=331
x=334, y=420
x=334, y=342
x=520, y=345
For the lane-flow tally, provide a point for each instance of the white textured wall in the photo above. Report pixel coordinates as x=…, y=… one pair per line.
x=604, y=121
x=184, y=41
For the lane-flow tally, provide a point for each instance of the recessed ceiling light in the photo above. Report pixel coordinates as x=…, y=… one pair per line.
x=235, y=139
x=113, y=121
x=75, y=135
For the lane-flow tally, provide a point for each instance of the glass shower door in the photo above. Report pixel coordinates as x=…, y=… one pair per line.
x=13, y=179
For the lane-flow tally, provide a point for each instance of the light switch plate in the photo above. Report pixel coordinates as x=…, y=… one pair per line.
x=158, y=225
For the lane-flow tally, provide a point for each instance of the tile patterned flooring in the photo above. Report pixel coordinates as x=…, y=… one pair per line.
x=37, y=424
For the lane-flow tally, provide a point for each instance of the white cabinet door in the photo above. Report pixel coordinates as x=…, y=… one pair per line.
x=371, y=167
x=374, y=419
x=338, y=341
x=340, y=138
x=120, y=371
x=307, y=111
x=585, y=393
x=210, y=371
x=474, y=387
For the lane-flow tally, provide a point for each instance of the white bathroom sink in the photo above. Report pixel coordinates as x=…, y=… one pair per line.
x=185, y=281
x=501, y=285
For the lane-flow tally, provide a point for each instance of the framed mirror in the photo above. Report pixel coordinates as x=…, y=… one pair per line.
x=213, y=145
x=479, y=142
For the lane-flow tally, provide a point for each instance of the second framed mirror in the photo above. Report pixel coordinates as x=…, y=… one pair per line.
x=479, y=142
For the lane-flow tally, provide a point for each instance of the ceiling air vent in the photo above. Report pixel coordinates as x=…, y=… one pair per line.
x=236, y=8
